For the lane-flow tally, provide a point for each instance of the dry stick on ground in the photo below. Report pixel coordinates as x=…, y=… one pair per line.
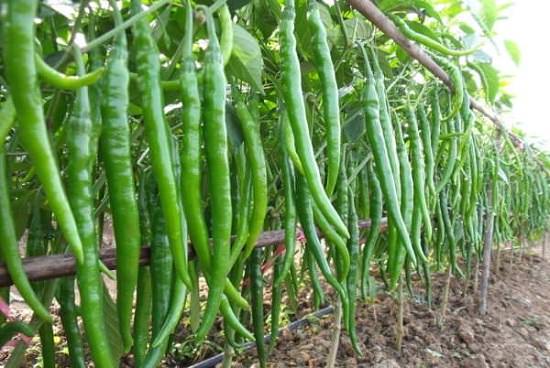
x=476, y=275
x=487, y=247
x=370, y=11
x=399, y=330
x=335, y=338
x=445, y=301
x=497, y=260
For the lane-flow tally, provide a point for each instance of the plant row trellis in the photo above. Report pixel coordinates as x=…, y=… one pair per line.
x=263, y=124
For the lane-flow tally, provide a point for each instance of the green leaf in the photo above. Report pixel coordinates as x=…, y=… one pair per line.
x=233, y=127
x=354, y=127
x=513, y=51
x=246, y=58
x=358, y=29
x=490, y=79
x=488, y=13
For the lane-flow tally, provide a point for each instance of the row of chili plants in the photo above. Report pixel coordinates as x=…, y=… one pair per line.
x=181, y=151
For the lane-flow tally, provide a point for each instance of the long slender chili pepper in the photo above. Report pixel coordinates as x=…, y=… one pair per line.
x=161, y=260
x=397, y=256
x=226, y=37
x=458, y=85
x=257, y=303
x=276, y=299
x=430, y=42
x=18, y=32
x=142, y=315
x=9, y=248
x=289, y=219
x=451, y=160
x=305, y=214
x=115, y=148
x=351, y=280
x=45, y=332
x=157, y=134
x=385, y=118
x=435, y=122
x=62, y=81
x=426, y=135
x=419, y=173
x=219, y=185
x=79, y=190
x=329, y=88
x=256, y=158
x=175, y=310
x=293, y=98
x=375, y=214
x=69, y=320
x=384, y=171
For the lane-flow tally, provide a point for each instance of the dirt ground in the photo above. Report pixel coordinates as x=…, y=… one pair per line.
x=514, y=333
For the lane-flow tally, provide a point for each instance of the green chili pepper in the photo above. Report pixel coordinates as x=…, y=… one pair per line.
x=276, y=299
x=219, y=185
x=289, y=218
x=257, y=303
x=293, y=98
x=351, y=280
x=430, y=42
x=79, y=191
x=376, y=210
x=45, y=332
x=426, y=136
x=62, y=81
x=157, y=134
x=142, y=316
x=115, y=149
x=329, y=89
x=18, y=31
x=419, y=176
x=9, y=248
x=226, y=37
x=69, y=320
x=256, y=158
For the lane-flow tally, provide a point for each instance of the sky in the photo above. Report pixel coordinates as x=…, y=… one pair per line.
x=527, y=24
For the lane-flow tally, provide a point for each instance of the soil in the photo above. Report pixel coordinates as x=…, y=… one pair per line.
x=514, y=333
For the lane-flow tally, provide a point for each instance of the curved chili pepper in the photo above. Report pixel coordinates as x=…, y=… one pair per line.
x=9, y=248
x=430, y=42
x=63, y=81
x=21, y=75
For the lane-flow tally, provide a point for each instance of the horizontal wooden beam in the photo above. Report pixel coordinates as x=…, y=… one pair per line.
x=59, y=265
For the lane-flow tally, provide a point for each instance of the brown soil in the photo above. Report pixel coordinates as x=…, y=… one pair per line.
x=514, y=333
